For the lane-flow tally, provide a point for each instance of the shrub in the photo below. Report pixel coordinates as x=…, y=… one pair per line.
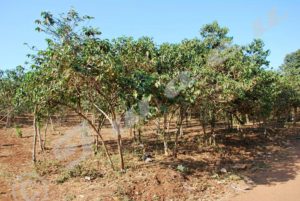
x=18, y=131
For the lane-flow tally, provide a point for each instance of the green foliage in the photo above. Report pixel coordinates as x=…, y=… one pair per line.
x=291, y=77
x=10, y=81
x=19, y=132
x=211, y=75
x=183, y=169
x=47, y=167
x=78, y=171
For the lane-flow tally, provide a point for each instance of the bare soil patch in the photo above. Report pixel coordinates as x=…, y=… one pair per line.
x=200, y=172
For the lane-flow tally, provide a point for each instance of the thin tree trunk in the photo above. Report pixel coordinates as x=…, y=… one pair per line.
x=39, y=136
x=8, y=120
x=45, y=133
x=189, y=117
x=34, y=138
x=100, y=125
x=212, y=139
x=101, y=139
x=295, y=116
x=186, y=118
x=241, y=131
x=170, y=120
x=228, y=121
x=104, y=145
x=165, y=134
x=213, y=136
x=97, y=143
x=52, y=126
x=139, y=134
x=202, y=122
x=96, y=139
x=119, y=142
x=134, y=133
x=265, y=127
x=94, y=128
x=122, y=167
x=60, y=120
x=158, y=131
x=231, y=121
x=130, y=131
x=179, y=130
x=204, y=127
x=93, y=118
x=247, y=119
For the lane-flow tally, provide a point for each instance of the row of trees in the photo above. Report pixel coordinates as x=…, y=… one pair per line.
x=135, y=81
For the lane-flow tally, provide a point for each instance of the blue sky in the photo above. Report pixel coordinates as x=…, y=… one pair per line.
x=276, y=22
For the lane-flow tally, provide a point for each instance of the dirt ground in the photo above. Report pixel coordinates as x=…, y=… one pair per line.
x=254, y=168
x=282, y=182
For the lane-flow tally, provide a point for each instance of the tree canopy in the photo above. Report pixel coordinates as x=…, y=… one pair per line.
x=210, y=75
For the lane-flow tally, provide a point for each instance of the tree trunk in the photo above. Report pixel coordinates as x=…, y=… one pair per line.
x=212, y=138
x=60, y=120
x=170, y=120
x=241, y=131
x=265, y=127
x=247, y=119
x=93, y=118
x=34, y=138
x=139, y=135
x=52, y=126
x=100, y=136
x=231, y=121
x=96, y=143
x=165, y=134
x=95, y=129
x=202, y=122
x=122, y=167
x=39, y=136
x=204, y=127
x=104, y=145
x=295, y=116
x=119, y=142
x=178, y=132
x=157, y=130
x=8, y=120
x=45, y=133
x=134, y=133
x=181, y=131
x=189, y=116
x=130, y=131
x=186, y=118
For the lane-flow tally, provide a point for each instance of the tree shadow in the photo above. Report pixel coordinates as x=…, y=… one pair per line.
x=280, y=168
x=264, y=159
x=269, y=160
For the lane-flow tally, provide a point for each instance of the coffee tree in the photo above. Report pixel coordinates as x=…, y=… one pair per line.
x=135, y=82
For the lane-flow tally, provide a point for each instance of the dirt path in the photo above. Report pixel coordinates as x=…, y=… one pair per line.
x=15, y=158
x=285, y=182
